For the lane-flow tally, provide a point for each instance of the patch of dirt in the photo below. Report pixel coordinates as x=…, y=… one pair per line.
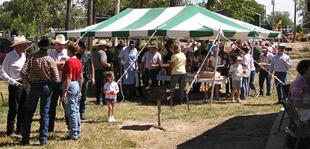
x=236, y=133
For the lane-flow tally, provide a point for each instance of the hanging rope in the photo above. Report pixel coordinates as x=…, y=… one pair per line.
x=294, y=48
x=205, y=59
x=136, y=58
x=257, y=62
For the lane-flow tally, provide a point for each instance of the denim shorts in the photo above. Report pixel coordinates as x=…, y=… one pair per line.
x=236, y=83
x=111, y=100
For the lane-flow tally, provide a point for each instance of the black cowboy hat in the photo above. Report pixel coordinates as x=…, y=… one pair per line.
x=44, y=43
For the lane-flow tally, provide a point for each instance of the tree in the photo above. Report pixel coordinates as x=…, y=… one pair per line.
x=32, y=18
x=284, y=16
x=68, y=15
x=240, y=9
x=178, y=2
x=210, y=4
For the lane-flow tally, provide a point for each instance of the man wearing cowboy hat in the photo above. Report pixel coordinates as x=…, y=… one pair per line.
x=280, y=64
x=10, y=72
x=39, y=70
x=59, y=54
x=101, y=65
x=151, y=61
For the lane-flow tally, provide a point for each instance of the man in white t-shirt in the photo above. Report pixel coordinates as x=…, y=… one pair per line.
x=248, y=66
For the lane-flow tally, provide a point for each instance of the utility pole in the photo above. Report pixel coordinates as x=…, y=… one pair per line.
x=273, y=17
x=294, y=27
x=68, y=14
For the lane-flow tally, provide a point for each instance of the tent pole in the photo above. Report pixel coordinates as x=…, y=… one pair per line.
x=275, y=77
x=214, y=72
x=198, y=71
x=136, y=58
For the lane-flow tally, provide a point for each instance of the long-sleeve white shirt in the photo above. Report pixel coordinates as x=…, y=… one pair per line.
x=11, y=67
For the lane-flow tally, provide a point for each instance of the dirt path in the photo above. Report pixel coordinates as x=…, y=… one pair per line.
x=236, y=133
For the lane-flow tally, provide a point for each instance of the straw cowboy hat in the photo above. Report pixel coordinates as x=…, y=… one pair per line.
x=102, y=43
x=239, y=58
x=19, y=40
x=153, y=45
x=61, y=39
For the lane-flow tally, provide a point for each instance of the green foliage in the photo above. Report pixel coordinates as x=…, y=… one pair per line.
x=240, y=9
x=284, y=16
x=301, y=7
x=5, y=19
x=31, y=18
x=20, y=27
x=299, y=28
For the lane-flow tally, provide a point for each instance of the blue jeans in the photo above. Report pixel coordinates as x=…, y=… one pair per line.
x=283, y=77
x=244, y=88
x=264, y=75
x=72, y=110
x=252, y=77
x=56, y=95
x=84, y=93
x=180, y=78
x=44, y=92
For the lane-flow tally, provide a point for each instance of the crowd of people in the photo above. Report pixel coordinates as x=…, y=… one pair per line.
x=63, y=69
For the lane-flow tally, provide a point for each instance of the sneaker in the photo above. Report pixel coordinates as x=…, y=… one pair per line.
x=113, y=119
x=110, y=120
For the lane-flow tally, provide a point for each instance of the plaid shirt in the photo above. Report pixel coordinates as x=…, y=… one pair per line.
x=40, y=68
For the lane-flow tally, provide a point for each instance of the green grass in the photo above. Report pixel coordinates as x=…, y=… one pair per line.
x=96, y=132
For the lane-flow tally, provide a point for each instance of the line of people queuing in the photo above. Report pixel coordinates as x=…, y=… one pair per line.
x=64, y=70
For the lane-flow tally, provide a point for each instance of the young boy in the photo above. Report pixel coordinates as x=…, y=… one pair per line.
x=236, y=71
x=110, y=90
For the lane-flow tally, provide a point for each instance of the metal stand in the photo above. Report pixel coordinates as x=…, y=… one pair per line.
x=159, y=116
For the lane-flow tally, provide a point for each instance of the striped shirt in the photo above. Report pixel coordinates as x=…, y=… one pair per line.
x=280, y=63
x=40, y=68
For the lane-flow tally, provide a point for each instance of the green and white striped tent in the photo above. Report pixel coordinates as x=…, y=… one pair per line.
x=172, y=22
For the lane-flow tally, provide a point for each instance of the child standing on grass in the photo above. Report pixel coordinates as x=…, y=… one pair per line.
x=236, y=71
x=110, y=90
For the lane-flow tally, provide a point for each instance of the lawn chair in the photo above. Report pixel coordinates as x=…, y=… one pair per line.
x=286, y=90
x=301, y=130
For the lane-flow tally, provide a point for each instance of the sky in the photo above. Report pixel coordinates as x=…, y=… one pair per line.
x=280, y=5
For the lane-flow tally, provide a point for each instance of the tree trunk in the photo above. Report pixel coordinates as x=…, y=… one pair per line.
x=90, y=12
x=117, y=6
x=94, y=11
x=68, y=15
x=117, y=10
x=178, y=3
x=90, y=21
